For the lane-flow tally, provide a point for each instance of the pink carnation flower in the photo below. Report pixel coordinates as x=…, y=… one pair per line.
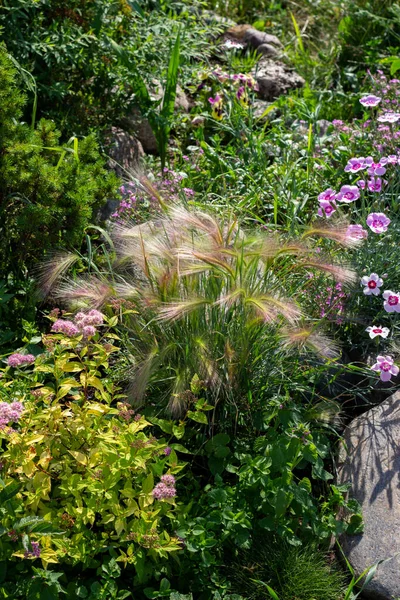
x=378, y=222
x=348, y=193
x=355, y=164
x=375, y=184
x=391, y=301
x=389, y=117
x=384, y=365
x=370, y=100
x=371, y=284
x=356, y=232
x=377, y=330
x=326, y=209
x=327, y=195
x=376, y=168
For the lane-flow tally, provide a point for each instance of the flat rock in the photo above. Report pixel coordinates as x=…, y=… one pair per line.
x=274, y=78
x=370, y=461
x=124, y=152
x=140, y=126
x=256, y=38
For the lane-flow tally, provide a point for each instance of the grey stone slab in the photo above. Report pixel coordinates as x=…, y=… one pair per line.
x=370, y=461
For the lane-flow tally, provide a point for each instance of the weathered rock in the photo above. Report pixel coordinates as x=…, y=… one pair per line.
x=256, y=38
x=267, y=50
x=259, y=108
x=237, y=32
x=124, y=151
x=274, y=78
x=140, y=127
x=371, y=463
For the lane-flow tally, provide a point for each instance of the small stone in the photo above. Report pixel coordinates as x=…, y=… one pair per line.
x=274, y=78
x=140, y=126
x=256, y=38
x=267, y=50
x=370, y=462
x=124, y=152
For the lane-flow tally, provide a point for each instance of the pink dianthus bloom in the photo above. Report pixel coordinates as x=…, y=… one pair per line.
x=361, y=184
x=384, y=365
x=356, y=232
x=389, y=117
x=326, y=208
x=391, y=301
x=348, y=193
x=376, y=168
x=370, y=100
x=375, y=184
x=355, y=164
x=328, y=195
x=392, y=159
x=371, y=284
x=378, y=222
x=377, y=330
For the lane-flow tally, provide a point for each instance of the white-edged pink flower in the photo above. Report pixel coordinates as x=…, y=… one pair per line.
x=376, y=168
x=375, y=330
x=361, y=184
x=348, y=193
x=375, y=184
x=389, y=117
x=327, y=195
x=355, y=164
x=326, y=209
x=391, y=301
x=356, y=232
x=384, y=365
x=371, y=284
x=370, y=100
x=392, y=159
x=378, y=222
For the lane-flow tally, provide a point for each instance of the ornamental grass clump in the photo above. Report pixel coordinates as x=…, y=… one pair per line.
x=208, y=299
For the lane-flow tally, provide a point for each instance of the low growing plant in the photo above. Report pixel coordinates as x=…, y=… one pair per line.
x=84, y=481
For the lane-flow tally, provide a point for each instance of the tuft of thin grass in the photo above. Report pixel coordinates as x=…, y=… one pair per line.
x=208, y=298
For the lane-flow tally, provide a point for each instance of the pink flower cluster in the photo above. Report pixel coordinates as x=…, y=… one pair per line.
x=10, y=413
x=84, y=324
x=165, y=489
x=20, y=360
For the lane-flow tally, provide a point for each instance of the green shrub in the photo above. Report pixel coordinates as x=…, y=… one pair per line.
x=71, y=49
x=78, y=466
x=49, y=193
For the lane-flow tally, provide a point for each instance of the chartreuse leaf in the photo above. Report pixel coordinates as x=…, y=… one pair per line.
x=198, y=416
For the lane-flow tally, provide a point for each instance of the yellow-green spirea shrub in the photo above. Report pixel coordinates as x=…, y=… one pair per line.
x=79, y=467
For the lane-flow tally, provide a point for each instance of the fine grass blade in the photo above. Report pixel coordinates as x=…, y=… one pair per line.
x=168, y=104
x=298, y=32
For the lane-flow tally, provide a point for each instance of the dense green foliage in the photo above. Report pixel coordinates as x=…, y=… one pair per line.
x=182, y=442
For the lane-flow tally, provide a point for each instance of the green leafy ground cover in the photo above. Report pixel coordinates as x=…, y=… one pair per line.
x=175, y=381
